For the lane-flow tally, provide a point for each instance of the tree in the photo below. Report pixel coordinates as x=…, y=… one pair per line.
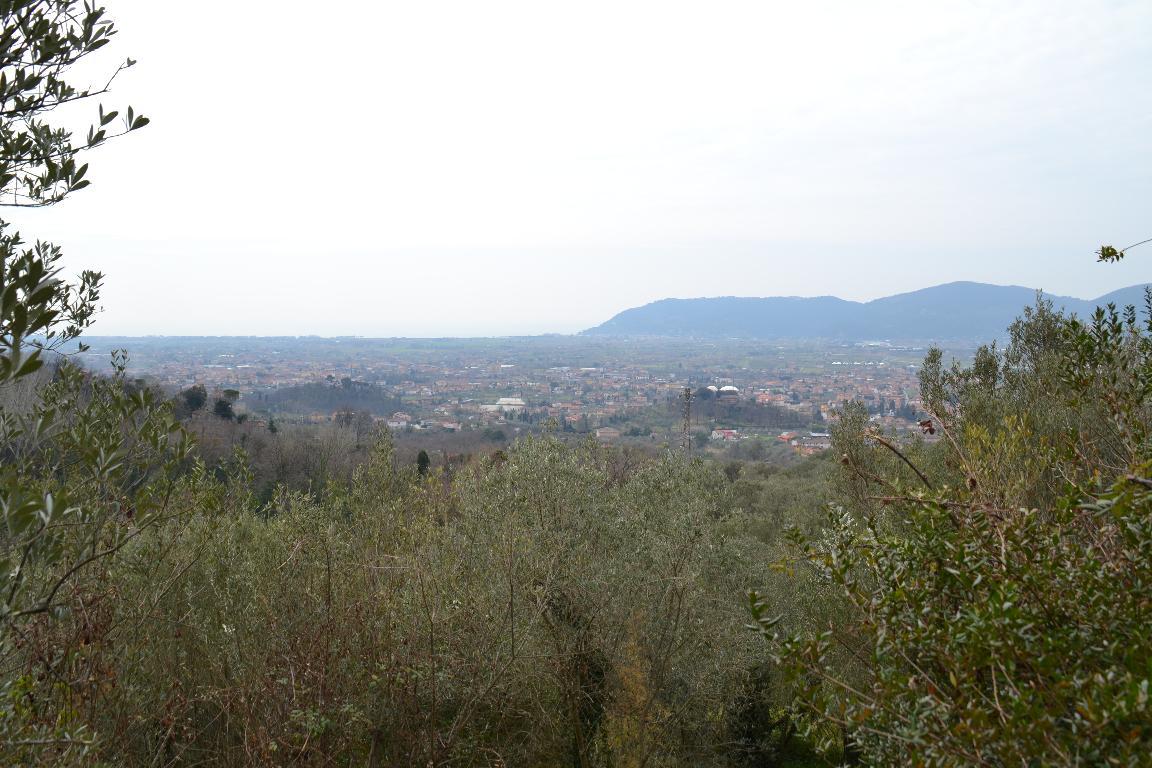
x=361, y=422
x=423, y=462
x=997, y=588
x=345, y=417
x=223, y=409
x=41, y=42
x=195, y=397
x=94, y=465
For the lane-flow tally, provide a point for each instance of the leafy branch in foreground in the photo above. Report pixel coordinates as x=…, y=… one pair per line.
x=1111, y=254
x=40, y=43
x=1002, y=617
x=86, y=463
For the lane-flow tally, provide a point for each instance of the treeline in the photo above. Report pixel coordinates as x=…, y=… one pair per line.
x=731, y=411
x=326, y=397
x=313, y=458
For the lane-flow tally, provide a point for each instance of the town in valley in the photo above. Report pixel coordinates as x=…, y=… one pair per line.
x=755, y=399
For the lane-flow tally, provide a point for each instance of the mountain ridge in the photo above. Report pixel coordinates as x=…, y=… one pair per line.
x=960, y=310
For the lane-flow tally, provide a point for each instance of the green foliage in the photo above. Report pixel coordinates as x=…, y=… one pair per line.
x=42, y=40
x=769, y=498
x=981, y=600
x=762, y=726
x=997, y=608
x=1108, y=253
x=38, y=310
x=195, y=397
x=89, y=464
x=90, y=469
x=545, y=609
x=223, y=409
x=87, y=436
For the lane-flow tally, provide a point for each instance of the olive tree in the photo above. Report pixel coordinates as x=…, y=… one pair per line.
x=40, y=165
x=91, y=462
x=998, y=604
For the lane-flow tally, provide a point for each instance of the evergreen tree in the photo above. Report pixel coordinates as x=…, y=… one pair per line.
x=195, y=397
x=223, y=409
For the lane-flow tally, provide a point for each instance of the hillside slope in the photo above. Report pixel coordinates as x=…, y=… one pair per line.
x=960, y=310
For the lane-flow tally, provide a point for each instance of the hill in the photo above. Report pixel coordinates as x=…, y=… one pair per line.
x=953, y=311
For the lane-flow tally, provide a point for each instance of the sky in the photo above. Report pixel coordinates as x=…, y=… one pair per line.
x=445, y=168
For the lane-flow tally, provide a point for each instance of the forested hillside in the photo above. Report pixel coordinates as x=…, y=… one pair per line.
x=330, y=397
x=955, y=311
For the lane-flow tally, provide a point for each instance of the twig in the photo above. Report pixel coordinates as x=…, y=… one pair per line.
x=903, y=458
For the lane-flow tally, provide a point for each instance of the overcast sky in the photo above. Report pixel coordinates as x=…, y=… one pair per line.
x=474, y=168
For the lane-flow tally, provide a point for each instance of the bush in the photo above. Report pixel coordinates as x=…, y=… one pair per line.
x=998, y=603
x=542, y=610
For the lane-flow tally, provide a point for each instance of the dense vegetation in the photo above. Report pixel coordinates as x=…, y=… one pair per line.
x=989, y=599
x=978, y=599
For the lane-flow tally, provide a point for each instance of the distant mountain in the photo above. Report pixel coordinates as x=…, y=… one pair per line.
x=953, y=311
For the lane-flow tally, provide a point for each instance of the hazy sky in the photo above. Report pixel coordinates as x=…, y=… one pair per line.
x=471, y=168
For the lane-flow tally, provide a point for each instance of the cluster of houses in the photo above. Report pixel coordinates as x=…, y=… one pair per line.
x=807, y=444
x=804, y=443
x=400, y=421
x=467, y=387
